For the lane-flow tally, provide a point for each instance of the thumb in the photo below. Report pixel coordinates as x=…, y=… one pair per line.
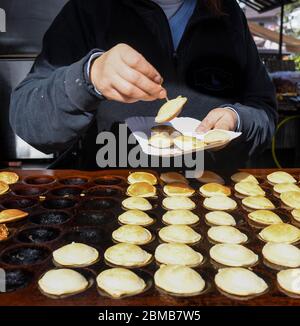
x=207, y=123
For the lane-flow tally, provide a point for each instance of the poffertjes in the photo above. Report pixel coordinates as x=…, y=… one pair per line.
x=135, y=217
x=178, y=189
x=171, y=177
x=178, y=203
x=244, y=177
x=170, y=110
x=291, y=199
x=142, y=177
x=258, y=202
x=216, y=136
x=282, y=254
x=280, y=177
x=219, y=203
x=289, y=280
x=139, y=203
x=214, y=189
x=210, y=177
x=280, y=233
x=226, y=234
x=264, y=217
x=249, y=189
x=220, y=218
x=141, y=189
x=9, y=177
x=134, y=234
x=12, y=215
x=4, y=187
x=188, y=143
x=180, y=216
x=179, y=233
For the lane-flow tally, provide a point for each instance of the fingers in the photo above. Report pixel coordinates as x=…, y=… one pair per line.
x=208, y=122
x=223, y=124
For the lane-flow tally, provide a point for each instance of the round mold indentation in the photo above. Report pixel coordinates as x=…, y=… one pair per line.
x=94, y=218
x=108, y=181
x=88, y=235
x=66, y=191
x=38, y=235
x=17, y=278
x=98, y=204
x=50, y=218
x=74, y=181
x=20, y=203
x=39, y=180
x=25, y=191
x=25, y=255
x=100, y=191
x=61, y=203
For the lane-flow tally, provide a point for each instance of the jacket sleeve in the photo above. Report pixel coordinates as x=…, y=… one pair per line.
x=258, y=107
x=55, y=104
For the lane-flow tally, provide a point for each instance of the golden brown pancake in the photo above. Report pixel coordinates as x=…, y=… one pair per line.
x=179, y=279
x=226, y=234
x=9, y=177
x=4, y=232
x=296, y=214
x=127, y=255
x=188, y=143
x=142, y=177
x=12, y=215
x=240, y=281
x=134, y=234
x=291, y=199
x=170, y=110
x=139, y=203
x=258, y=202
x=216, y=136
x=289, y=280
x=220, y=218
x=161, y=140
x=219, y=203
x=178, y=189
x=282, y=254
x=171, y=177
x=141, y=189
x=164, y=129
x=180, y=216
x=214, y=189
x=119, y=282
x=244, y=177
x=284, y=187
x=249, y=189
x=178, y=203
x=177, y=254
x=280, y=233
x=179, y=233
x=265, y=217
x=211, y=177
x=281, y=177
x=4, y=187
x=135, y=217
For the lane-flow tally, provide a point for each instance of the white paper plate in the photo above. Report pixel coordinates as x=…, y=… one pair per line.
x=141, y=129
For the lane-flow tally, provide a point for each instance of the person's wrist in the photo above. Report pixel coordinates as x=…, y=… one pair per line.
x=236, y=117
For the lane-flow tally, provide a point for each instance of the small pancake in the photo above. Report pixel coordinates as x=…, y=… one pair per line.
x=265, y=217
x=4, y=232
x=141, y=189
x=296, y=214
x=282, y=254
x=4, y=187
x=219, y=203
x=210, y=177
x=258, y=202
x=135, y=217
x=233, y=255
x=291, y=199
x=179, y=233
x=284, y=187
x=178, y=189
x=128, y=255
x=240, y=281
x=282, y=232
x=214, y=189
x=178, y=203
x=62, y=282
x=289, y=280
x=9, y=177
x=179, y=280
x=249, y=189
x=220, y=218
x=281, y=177
x=188, y=143
x=171, y=177
x=226, y=234
x=177, y=254
x=244, y=177
x=161, y=140
x=164, y=129
x=12, y=215
x=142, y=177
x=75, y=255
x=170, y=110
x=139, y=203
x=216, y=136
x=118, y=282
x=134, y=234
x=180, y=216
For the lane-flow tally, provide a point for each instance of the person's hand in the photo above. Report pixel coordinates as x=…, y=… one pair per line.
x=219, y=118
x=122, y=74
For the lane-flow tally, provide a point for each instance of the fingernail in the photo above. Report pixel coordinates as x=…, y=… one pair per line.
x=158, y=79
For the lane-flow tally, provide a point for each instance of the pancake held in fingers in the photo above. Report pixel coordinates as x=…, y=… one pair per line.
x=280, y=177
x=210, y=177
x=291, y=199
x=180, y=216
x=9, y=177
x=219, y=203
x=264, y=217
x=176, y=202
x=214, y=189
x=220, y=218
x=289, y=280
x=171, y=177
x=170, y=110
x=181, y=280
x=280, y=233
x=135, y=217
x=282, y=254
x=226, y=234
x=119, y=282
x=258, y=202
x=12, y=215
x=141, y=189
x=244, y=177
x=178, y=189
x=142, y=177
x=137, y=203
x=134, y=234
x=249, y=189
x=179, y=233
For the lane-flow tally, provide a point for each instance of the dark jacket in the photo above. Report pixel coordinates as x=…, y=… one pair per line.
x=216, y=64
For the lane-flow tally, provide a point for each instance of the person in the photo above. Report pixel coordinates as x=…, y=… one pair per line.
x=106, y=60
